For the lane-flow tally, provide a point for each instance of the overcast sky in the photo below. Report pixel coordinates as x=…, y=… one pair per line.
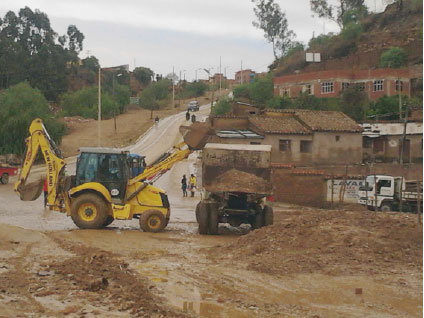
x=186, y=34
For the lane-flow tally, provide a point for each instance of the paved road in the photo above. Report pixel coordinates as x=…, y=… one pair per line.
x=152, y=144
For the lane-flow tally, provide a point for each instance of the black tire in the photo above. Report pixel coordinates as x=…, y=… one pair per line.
x=89, y=211
x=202, y=216
x=386, y=207
x=152, y=221
x=268, y=216
x=257, y=220
x=108, y=221
x=213, y=220
x=4, y=178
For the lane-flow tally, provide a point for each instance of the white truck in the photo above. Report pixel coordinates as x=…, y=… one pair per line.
x=388, y=193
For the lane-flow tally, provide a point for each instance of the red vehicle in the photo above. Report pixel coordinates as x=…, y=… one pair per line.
x=6, y=172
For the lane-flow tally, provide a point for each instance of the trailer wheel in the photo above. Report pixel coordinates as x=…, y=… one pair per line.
x=108, y=221
x=386, y=207
x=4, y=178
x=202, y=218
x=89, y=211
x=268, y=215
x=213, y=220
x=152, y=221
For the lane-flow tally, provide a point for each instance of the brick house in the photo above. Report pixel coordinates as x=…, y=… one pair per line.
x=244, y=76
x=375, y=82
x=296, y=136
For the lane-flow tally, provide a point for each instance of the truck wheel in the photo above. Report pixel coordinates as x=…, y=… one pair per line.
x=268, y=215
x=4, y=178
x=213, y=220
x=108, y=221
x=89, y=211
x=202, y=216
x=152, y=221
x=386, y=207
x=257, y=220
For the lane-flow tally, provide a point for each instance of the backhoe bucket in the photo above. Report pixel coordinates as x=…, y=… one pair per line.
x=196, y=136
x=30, y=191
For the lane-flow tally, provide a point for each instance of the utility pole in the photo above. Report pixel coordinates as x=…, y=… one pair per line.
x=99, y=110
x=241, y=72
x=220, y=77
x=402, y=149
x=399, y=86
x=173, y=89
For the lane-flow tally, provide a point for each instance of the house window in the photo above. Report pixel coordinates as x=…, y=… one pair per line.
x=285, y=92
x=327, y=87
x=378, y=86
x=399, y=86
x=367, y=143
x=360, y=86
x=345, y=86
x=285, y=145
x=255, y=143
x=307, y=89
x=305, y=146
x=337, y=138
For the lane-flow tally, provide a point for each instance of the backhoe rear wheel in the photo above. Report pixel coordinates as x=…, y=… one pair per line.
x=152, y=221
x=89, y=211
x=213, y=219
x=202, y=217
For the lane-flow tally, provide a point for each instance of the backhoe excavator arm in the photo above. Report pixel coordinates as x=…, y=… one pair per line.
x=39, y=139
x=181, y=151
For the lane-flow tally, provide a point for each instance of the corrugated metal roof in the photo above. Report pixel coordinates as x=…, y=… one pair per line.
x=238, y=133
x=238, y=147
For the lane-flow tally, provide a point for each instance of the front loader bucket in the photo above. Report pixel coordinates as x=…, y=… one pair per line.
x=30, y=191
x=196, y=136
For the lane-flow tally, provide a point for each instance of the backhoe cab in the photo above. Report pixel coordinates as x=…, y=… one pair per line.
x=102, y=189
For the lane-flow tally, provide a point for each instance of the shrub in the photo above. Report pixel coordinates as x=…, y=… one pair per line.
x=393, y=58
x=19, y=105
x=261, y=90
x=354, y=103
x=241, y=91
x=85, y=103
x=351, y=32
x=223, y=106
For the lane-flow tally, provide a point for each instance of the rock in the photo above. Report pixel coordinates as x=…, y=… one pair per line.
x=45, y=273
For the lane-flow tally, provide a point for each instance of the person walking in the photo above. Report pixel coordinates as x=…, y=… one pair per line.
x=184, y=185
x=193, y=118
x=45, y=191
x=188, y=116
x=192, y=182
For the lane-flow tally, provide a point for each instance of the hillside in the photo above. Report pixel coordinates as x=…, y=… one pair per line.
x=395, y=27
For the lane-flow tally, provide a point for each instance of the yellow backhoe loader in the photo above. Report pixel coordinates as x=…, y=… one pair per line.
x=102, y=189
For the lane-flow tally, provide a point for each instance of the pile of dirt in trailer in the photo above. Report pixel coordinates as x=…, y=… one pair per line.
x=330, y=242
x=238, y=181
x=196, y=135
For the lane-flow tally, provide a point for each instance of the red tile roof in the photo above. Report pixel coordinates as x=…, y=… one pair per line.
x=278, y=125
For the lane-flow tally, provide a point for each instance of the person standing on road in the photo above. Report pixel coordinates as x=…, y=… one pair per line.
x=45, y=191
x=184, y=185
x=192, y=184
x=193, y=118
x=188, y=116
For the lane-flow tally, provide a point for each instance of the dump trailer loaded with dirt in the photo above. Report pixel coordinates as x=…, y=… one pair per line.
x=236, y=179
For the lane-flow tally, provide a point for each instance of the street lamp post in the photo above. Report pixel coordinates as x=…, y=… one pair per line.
x=99, y=110
x=113, y=94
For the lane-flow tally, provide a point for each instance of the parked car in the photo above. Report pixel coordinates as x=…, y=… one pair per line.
x=193, y=106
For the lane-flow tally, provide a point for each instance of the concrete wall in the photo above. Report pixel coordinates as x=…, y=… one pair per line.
x=328, y=150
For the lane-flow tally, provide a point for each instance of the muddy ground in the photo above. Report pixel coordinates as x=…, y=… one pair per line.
x=311, y=263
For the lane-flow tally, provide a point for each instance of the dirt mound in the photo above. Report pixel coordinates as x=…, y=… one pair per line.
x=238, y=181
x=331, y=242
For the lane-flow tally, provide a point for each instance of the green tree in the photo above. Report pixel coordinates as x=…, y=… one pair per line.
x=148, y=101
x=91, y=63
x=338, y=12
x=144, y=75
x=241, y=91
x=274, y=23
x=395, y=57
x=351, y=31
x=121, y=96
x=261, y=90
x=84, y=102
x=222, y=107
x=19, y=105
x=280, y=102
x=354, y=103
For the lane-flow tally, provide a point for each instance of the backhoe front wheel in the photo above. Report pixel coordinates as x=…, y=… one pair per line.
x=152, y=221
x=89, y=211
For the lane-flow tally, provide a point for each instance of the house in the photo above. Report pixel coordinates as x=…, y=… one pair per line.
x=244, y=76
x=296, y=136
x=217, y=78
x=383, y=141
x=374, y=82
